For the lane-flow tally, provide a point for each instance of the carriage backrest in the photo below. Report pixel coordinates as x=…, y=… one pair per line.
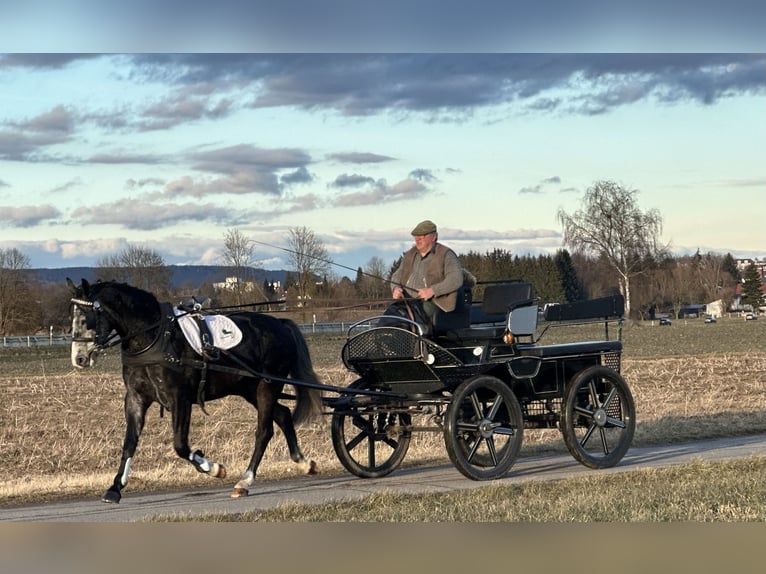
x=499, y=298
x=459, y=318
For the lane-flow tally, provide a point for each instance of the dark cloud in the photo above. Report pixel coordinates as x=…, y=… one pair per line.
x=42, y=61
x=352, y=180
x=299, y=176
x=442, y=85
x=423, y=175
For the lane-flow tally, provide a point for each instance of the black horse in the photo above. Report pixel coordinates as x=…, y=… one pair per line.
x=159, y=365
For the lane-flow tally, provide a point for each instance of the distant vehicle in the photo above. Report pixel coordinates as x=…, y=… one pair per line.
x=751, y=317
x=710, y=320
x=665, y=321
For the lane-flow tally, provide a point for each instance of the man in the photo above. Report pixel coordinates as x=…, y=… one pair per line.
x=430, y=273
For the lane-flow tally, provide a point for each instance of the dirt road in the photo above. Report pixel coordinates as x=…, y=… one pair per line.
x=313, y=490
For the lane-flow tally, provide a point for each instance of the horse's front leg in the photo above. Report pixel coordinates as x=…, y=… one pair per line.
x=181, y=412
x=135, y=415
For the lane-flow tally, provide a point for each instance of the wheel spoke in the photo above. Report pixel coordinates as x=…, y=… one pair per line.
x=474, y=448
x=615, y=422
x=477, y=408
x=604, y=443
x=492, y=451
x=495, y=407
x=593, y=393
x=507, y=431
x=371, y=452
x=584, y=412
x=587, y=435
x=354, y=442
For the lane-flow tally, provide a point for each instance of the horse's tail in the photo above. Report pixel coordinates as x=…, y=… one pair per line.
x=308, y=403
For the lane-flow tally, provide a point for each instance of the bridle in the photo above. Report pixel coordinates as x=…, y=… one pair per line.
x=95, y=308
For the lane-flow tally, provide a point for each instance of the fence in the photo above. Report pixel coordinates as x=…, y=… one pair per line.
x=49, y=340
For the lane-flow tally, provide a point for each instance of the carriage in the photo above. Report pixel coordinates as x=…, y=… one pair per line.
x=480, y=377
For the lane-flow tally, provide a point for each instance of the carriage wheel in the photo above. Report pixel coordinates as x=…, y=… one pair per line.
x=598, y=417
x=483, y=428
x=370, y=443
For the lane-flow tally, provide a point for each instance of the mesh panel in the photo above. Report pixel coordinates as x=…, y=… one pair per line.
x=611, y=360
x=382, y=343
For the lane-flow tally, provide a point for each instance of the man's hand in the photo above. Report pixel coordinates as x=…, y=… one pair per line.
x=426, y=293
x=398, y=293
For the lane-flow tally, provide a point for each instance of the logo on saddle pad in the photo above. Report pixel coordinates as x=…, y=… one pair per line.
x=224, y=331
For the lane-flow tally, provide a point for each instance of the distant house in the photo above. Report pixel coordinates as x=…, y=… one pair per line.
x=716, y=308
x=691, y=311
x=737, y=304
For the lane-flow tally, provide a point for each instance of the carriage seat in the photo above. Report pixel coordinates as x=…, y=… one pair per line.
x=487, y=319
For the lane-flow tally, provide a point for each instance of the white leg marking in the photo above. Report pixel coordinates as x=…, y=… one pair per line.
x=126, y=472
x=203, y=463
x=247, y=480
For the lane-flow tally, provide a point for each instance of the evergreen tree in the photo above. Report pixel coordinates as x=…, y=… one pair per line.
x=570, y=284
x=751, y=287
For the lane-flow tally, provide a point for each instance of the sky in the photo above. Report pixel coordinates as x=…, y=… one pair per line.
x=106, y=143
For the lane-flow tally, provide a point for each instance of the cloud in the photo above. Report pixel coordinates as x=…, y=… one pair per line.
x=423, y=175
x=143, y=215
x=28, y=215
x=351, y=180
x=436, y=86
x=381, y=192
x=76, y=182
x=360, y=157
x=539, y=188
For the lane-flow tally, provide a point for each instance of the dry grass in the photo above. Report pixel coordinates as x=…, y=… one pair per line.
x=62, y=430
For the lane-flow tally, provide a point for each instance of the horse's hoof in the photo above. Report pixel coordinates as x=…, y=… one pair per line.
x=111, y=496
x=220, y=471
x=239, y=492
x=312, y=468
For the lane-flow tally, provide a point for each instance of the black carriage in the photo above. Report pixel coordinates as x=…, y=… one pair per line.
x=481, y=378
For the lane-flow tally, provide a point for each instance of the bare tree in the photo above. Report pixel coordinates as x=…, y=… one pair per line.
x=140, y=266
x=239, y=253
x=611, y=225
x=308, y=256
x=15, y=307
x=372, y=281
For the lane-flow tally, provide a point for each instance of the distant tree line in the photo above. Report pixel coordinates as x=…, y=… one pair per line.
x=614, y=249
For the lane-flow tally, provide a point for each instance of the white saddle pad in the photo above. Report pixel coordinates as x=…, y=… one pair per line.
x=225, y=332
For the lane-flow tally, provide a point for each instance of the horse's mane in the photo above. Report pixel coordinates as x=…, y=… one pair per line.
x=127, y=294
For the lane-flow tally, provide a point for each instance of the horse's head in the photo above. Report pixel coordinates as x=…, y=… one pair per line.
x=84, y=348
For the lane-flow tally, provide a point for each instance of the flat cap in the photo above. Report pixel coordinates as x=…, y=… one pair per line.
x=424, y=228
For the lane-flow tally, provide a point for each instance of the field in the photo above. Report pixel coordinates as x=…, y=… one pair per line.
x=61, y=430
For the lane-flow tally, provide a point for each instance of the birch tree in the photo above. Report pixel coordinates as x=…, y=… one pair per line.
x=611, y=225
